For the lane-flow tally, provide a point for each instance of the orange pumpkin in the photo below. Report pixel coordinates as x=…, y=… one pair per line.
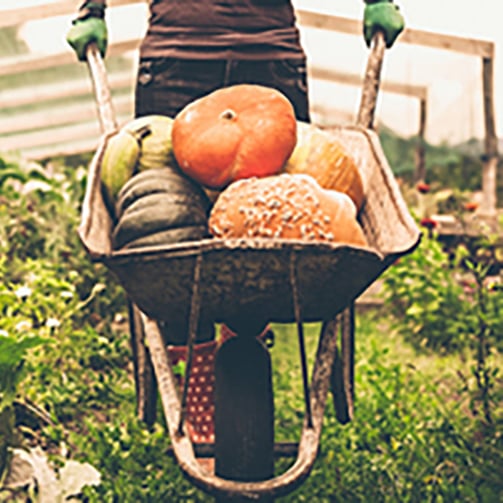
x=320, y=155
x=236, y=132
x=285, y=207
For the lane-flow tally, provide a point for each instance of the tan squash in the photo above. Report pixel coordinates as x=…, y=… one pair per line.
x=320, y=155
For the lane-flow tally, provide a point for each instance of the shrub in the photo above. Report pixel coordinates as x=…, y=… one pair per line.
x=431, y=308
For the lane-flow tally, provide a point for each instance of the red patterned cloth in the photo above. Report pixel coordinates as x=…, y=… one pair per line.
x=200, y=393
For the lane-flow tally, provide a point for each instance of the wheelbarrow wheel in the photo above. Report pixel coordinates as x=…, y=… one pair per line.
x=144, y=377
x=244, y=414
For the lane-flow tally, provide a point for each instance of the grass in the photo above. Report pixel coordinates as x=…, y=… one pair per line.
x=414, y=437
x=410, y=439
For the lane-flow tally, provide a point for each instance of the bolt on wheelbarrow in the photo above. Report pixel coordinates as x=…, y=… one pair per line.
x=249, y=283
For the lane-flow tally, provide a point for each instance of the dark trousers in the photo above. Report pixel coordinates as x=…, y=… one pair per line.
x=166, y=85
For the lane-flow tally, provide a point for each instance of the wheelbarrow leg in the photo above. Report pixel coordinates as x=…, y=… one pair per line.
x=244, y=414
x=342, y=377
x=145, y=382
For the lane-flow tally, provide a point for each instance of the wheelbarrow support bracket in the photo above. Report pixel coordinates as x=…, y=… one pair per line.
x=182, y=445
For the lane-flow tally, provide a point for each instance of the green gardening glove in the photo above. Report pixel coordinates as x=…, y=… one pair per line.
x=87, y=30
x=385, y=16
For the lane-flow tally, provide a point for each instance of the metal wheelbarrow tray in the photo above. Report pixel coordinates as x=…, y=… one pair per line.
x=254, y=275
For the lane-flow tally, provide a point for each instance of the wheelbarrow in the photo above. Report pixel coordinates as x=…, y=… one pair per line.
x=249, y=283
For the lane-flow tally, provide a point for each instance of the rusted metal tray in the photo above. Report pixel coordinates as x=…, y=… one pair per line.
x=237, y=277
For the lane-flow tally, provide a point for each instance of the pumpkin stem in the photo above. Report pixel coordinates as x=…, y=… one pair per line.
x=228, y=114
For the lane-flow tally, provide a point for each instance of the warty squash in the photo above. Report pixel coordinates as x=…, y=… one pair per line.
x=285, y=207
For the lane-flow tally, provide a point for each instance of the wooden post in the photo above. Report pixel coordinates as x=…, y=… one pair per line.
x=420, y=173
x=489, y=202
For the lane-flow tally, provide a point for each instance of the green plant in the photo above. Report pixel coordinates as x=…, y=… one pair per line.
x=485, y=337
x=429, y=305
x=33, y=478
x=414, y=437
x=461, y=314
x=45, y=293
x=410, y=439
x=12, y=371
x=135, y=464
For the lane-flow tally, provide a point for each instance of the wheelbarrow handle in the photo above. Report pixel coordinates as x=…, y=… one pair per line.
x=342, y=379
x=366, y=111
x=102, y=94
x=371, y=82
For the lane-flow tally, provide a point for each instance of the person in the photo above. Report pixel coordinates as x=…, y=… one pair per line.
x=193, y=47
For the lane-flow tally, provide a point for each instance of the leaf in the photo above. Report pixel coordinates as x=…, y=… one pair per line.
x=179, y=368
x=29, y=468
x=415, y=310
x=20, y=472
x=74, y=476
x=36, y=186
x=13, y=174
x=12, y=350
x=48, y=486
x=38, y=174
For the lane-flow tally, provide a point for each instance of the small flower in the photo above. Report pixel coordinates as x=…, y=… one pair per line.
x=67, y=295
x=468, y=289
x=4, y=333
x=471, y=206
x=423, y=187
x=23, y=292
x=23, y=325
x=120, y=318
x=52, y=323
x=429, y=223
